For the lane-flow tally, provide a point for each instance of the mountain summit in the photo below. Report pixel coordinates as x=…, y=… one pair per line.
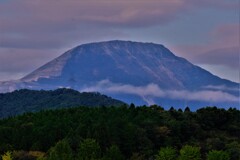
x=133, y=72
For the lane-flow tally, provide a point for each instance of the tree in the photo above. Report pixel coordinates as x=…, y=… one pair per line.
x=218, y=155
x=113, y=153
x=61, y=151
x=137, y=156
x=233, y=149
x=167, y=153
x=187, y=109
x=132, y=106
x=25, y=155
x=172, y=109
x=180, y=110
x=89, y=149
x=190, y=153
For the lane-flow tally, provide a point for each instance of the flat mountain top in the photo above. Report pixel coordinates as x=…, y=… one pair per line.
x=141, y=73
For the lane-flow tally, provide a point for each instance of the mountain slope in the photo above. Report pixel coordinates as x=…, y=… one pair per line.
x=133, y=72
x=25, y=100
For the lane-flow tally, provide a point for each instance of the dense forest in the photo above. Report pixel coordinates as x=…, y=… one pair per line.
x=122, y=133
x=25, y=100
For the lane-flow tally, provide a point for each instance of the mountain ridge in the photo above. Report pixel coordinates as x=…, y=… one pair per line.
x=24, y=100
x=110, y=66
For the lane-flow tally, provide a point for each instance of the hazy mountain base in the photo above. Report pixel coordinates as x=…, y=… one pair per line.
x=21, y=101
x=123, y=133
x=150, y=94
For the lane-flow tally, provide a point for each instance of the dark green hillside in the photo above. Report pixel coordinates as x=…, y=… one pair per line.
x=24, y=100
x=121, y=133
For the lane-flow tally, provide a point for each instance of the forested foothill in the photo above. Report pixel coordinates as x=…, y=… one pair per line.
x=122, y=133
x=25, y=100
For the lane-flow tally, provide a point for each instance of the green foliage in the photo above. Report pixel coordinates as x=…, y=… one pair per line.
x=61, y=151
x=113, y=153
x=218, y=155
x=89, y=150
x=190, y=153
x=137, y=156
x=166, y=153
x=233, y=149
x=136, y=132
x=213, y=118
x=187, y=109
x=22, y=101
x=41, y=158
x=7, y=156
x=24, y=155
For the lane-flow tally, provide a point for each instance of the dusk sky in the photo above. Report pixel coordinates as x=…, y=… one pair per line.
x=33, y=32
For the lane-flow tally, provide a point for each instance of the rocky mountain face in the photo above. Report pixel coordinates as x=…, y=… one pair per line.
x=142, y=73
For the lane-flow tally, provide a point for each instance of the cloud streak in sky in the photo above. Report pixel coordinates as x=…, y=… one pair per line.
x=57, y=22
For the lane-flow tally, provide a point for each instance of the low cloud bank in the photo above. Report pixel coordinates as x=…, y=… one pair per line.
x=221, y=88
x=154, y=91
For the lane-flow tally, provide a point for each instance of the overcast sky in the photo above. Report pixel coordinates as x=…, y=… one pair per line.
x=33, y=32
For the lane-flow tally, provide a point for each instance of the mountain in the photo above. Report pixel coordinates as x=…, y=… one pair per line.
x=142, y=73
x=24, y=100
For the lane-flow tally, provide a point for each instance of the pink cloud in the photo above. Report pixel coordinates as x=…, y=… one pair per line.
x=57, y=22
x=117, y=12
x=223, y=48
x=227, y=35
x=127, y=13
